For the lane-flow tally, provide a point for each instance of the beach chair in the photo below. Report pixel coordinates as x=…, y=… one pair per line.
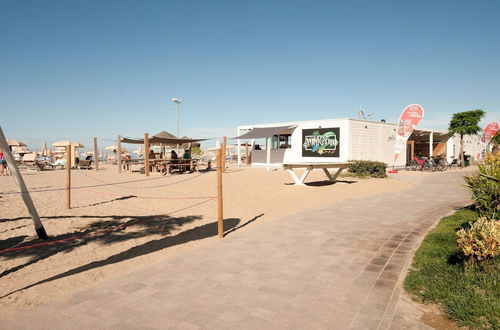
x=85, y=164
x=60, y=163
x=29, y=161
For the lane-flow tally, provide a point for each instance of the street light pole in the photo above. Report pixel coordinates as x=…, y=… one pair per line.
x=177, y=105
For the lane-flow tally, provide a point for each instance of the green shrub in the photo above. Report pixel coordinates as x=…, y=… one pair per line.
x=467, y=292
x=368, y=168
x=480, y=241
x=492, y=159
x=485, y=188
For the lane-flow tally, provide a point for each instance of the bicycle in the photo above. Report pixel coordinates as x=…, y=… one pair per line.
x=423, y=164
x=440, y=163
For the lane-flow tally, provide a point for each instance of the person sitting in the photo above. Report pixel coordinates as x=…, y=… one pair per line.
x=186, y=157
x=173, y=155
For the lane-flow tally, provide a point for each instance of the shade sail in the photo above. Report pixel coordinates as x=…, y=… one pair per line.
x=265, y=132
x=155, y=140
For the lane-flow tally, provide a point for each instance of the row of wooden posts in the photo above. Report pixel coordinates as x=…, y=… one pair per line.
x=39, y=228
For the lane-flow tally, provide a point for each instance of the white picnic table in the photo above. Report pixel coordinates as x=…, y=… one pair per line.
x=308, y=167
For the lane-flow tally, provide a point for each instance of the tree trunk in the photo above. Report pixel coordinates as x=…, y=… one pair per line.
x=462, y=151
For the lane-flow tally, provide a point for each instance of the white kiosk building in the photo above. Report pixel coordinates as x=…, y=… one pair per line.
x=342, y=140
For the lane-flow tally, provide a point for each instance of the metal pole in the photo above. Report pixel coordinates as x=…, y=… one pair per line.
x=178, y=114
x=178, y=130
x=21, y=186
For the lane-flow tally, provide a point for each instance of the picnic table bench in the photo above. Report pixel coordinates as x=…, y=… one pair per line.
x=308, y=167
x=166, y=166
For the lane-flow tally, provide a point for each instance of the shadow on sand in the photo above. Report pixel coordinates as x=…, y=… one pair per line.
x=110, y=231
x=323, y=183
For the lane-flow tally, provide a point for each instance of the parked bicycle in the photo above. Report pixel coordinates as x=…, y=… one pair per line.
x=427, y=164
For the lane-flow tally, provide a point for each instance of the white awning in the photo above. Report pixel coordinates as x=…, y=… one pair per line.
x=265, y=132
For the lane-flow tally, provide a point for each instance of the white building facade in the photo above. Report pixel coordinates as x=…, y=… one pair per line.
x=344, y=140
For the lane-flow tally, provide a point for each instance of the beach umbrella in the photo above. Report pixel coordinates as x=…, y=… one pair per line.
x=165, y=135
x=44, y=150
x=65, y=143
x=15, y=143
x=114, y=149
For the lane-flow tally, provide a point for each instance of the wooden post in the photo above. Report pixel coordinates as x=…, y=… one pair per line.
x=68, y=176
x=119, y=153
x=146, y=154
x=220, y=217
x=247, y=155
x=96, y=155
x=21, y=186
x=412, y=150
x=268, y=153
x=224, y=153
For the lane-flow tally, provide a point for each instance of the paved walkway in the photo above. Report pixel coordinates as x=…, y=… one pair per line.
x=336, y=267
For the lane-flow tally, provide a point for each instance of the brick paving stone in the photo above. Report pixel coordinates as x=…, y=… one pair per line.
x=336, y=267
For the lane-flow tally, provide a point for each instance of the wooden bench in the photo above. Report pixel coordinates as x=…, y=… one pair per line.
x=308, y=167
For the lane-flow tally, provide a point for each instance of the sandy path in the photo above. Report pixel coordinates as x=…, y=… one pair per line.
x=163, y=215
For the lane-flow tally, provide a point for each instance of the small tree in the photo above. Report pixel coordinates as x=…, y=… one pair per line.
x=465, y=123
x=496, y=143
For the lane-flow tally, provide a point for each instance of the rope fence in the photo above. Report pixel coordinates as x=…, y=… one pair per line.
x=120, y=185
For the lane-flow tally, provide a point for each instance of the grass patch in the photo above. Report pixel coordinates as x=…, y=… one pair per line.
x=470, y=294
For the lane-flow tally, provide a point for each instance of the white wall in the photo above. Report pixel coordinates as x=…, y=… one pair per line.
x=450, y=150
x=374, y=141
x=470, y=145
x=294, y=154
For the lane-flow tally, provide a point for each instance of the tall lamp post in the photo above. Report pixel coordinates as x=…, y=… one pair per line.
x=177, y=105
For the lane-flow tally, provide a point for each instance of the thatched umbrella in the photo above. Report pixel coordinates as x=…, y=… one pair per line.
x=15, y=143
x=44, y=151
x=74, y=148
x=68, y=143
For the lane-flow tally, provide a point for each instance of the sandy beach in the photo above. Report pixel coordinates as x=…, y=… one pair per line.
x=122, y=222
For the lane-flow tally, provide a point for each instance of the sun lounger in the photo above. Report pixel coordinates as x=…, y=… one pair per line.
x=29, y=161
x=60, y=163
x=43, y=165
x=85, y=164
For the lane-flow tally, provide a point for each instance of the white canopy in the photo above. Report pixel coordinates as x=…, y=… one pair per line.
x=265, y=132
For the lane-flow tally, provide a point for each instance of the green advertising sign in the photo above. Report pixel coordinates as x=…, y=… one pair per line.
x=321, y=142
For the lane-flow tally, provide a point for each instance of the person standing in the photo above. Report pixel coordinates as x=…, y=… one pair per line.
x=3, y=164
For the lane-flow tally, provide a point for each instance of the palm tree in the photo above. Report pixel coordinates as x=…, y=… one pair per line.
x=465, y=123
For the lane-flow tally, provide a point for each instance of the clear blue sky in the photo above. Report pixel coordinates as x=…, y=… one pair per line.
x=78, y=69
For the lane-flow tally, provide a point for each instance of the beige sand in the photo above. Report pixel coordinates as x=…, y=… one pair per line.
x=161, y=222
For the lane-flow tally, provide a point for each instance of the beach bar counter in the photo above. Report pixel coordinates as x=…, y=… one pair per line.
x=332, y=141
